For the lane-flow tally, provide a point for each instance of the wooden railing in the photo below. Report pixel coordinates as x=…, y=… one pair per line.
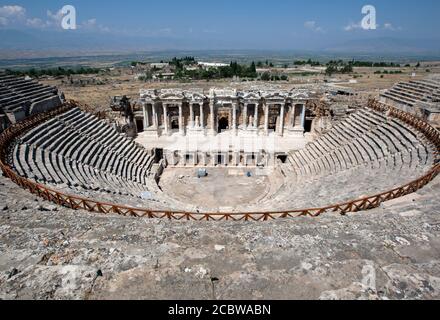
x=74, y=202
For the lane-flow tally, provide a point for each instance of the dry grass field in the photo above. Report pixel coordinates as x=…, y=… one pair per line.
x=123, y=82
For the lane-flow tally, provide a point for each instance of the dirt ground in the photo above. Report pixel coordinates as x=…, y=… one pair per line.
x=124, y=83
x=222, y=185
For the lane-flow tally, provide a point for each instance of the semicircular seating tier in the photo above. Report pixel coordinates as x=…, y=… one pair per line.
x=366, y=154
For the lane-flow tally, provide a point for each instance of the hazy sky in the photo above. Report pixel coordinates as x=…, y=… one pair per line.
x=277, y=24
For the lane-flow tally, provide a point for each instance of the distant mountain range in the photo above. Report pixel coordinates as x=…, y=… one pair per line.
x=387, y=45
x=20, y=44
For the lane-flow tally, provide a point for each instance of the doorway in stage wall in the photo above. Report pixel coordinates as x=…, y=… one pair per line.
x=308, y=126
x=223, y=124
x=140, y=125
x=221, y=159
x=158, y=155
x=274, y=112
x=174, y=123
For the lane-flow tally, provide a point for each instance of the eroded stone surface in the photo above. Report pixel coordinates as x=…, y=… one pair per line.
x=49, y=252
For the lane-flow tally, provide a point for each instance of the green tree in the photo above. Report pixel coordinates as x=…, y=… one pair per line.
x=347, y=69
x=253, y=68
x=265, y=76
x=330, y=70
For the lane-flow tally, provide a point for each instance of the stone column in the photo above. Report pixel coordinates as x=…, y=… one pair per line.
x=266, y=119
x=281, y=129
x=191, y=115
x=195, y=159
x=212, y=116
x=303, y=116
x=202, y=116
x=181, y=129
x=256, y=116
x=155, y=122
x=236, y=158
x=291, y=116
x=234, y=118
x=245, y=123
x=165, y=118
x=295, y=117
x=145, y=112
x=213, y=159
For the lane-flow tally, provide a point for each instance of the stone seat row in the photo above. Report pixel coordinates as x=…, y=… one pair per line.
x=363, y=139
x=347, y=185
x=85, y=127
x=416, y=90
x=409, y=94
x=84, y=180
x=77, y=149
x=399, y=98
x=19, y=85
x=432, y=85
x=49, y=168
x=341, y=186
x=30, y=99
x=29, y=94
x=412, y=92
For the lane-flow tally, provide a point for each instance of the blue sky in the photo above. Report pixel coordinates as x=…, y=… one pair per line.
x=275, y=24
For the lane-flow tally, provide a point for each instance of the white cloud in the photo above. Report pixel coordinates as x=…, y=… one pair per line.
x=92, y=25
x=389, y=26
x=356, y=26
x=55, y=18
x=353, y=26
x=89, y=24
x=16, y=15
x=35, y=23
x=312, y=25
x=12, y=12
x=11, y=15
